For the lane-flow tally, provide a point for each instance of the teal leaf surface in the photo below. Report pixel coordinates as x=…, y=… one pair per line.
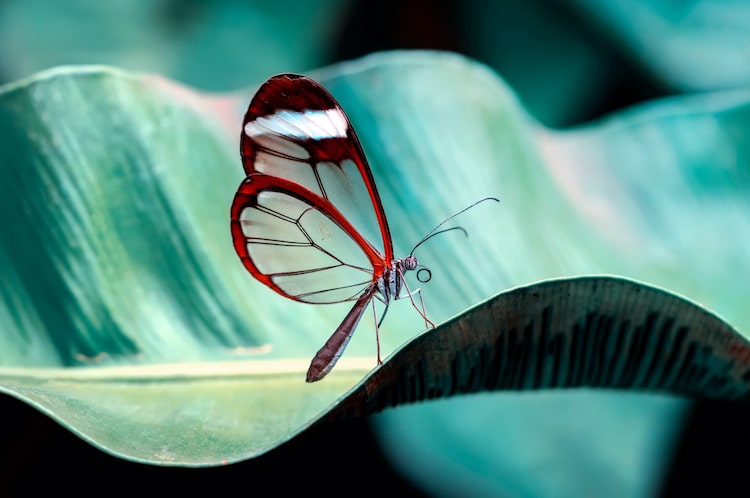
x=128, y=318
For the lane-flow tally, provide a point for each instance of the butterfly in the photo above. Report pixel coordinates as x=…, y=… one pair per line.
x=307, y=221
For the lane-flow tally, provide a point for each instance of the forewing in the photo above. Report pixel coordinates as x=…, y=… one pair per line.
x=295, y=130
x=297, y=242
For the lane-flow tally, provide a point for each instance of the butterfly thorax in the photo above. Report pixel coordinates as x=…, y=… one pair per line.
x=392, y=279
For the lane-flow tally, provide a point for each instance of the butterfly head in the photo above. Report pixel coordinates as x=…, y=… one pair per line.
x=410, y=263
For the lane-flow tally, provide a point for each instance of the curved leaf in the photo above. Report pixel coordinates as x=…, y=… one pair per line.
x=596, y=332
x=128, y=318
x=600, y=332
x=125, y=316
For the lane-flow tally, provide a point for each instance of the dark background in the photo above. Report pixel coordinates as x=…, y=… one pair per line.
x=38, y=456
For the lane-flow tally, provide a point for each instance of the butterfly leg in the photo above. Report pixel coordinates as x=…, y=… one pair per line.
x=420, y=309
x=377, y=328
x=427, y=322
x=378, y=323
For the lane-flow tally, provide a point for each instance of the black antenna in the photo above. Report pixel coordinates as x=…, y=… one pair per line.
x=434, y=231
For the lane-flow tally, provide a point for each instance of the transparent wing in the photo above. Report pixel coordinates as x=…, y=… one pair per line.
x=297, y=242
x=295, y=130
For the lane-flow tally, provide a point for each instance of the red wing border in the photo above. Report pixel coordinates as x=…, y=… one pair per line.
x=299, y=244
x=294, y=129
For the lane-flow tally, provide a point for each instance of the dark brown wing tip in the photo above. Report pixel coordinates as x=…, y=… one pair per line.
x=316, y=371
x=291, y=91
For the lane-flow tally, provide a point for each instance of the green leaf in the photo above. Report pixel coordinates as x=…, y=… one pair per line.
x=601, y=332
x=129, y=319
x=125, y=314
x=596, y=332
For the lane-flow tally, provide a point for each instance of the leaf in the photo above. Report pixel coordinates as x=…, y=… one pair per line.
x=662, y=192
x=599, y=332
x=129, y=320
x=124, y=315
x=596, y=332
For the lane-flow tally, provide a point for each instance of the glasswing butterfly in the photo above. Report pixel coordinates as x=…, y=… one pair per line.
x=307, y=221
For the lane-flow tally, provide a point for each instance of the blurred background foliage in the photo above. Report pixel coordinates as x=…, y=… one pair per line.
x=570, y=61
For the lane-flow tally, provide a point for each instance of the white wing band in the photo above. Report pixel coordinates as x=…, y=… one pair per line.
x=316, y=125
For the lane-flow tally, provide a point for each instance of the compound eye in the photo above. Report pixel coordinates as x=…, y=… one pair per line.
x=424, y=275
